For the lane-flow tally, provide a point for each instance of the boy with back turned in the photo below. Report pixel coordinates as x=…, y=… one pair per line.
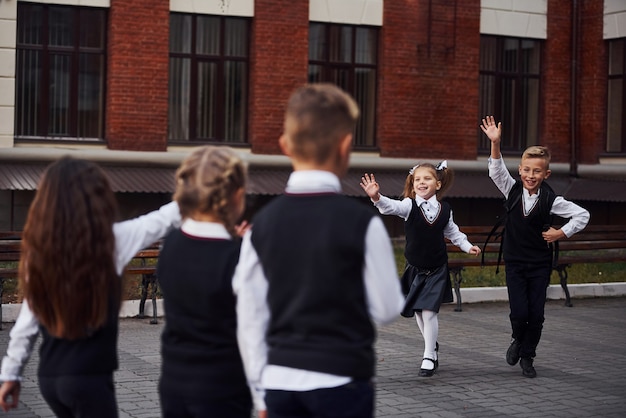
x=315, y=271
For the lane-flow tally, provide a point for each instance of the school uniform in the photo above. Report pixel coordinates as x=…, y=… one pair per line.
x=315, y=271
x=426, y=280
x=202, y=372
x=527, y=256
x=76, y=376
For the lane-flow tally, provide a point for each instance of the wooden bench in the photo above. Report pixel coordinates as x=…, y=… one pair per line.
x=594, y=244
x=142, y=264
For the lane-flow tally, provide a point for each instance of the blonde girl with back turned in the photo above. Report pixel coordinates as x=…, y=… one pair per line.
x=202, y=373
x=426, y=281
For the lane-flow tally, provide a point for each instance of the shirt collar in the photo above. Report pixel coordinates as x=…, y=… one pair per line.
x=432, y=201
x=313, y=181
x=204, y=229
x=528, y=196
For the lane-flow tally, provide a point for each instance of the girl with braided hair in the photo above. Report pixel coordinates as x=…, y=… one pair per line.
x=428, y=220
x=202, y=373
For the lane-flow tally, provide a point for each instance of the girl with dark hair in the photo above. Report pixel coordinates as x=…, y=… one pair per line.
x=73, y=257
x=426, y=281
x=202, y=373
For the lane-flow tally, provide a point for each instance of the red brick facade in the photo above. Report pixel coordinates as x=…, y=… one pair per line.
x=137, y=75
x=278, y=64
x=427, y=87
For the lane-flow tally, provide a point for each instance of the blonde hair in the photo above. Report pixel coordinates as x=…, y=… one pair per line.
x=444, y=174
x=537, y=151
x=206, y=182
x=317, y=118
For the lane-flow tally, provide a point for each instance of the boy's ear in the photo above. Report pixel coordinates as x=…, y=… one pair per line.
x=548, y=172
x=346, y=145
x=285, y=145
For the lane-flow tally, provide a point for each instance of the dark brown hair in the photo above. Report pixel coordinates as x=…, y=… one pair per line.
x=444, y=174
x=67, y=269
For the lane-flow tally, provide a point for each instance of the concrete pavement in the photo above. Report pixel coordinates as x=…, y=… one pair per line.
x=581, y=366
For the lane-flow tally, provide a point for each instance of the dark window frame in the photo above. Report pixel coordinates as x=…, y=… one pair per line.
x=517, y=136
x=350, y=68
x=220, y=60
x=616, y=105
x=43, y=122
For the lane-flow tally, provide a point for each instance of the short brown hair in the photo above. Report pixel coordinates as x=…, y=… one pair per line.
x=318, y=116
x=537, y=151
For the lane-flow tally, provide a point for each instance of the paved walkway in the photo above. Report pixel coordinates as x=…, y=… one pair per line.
x=581, y=366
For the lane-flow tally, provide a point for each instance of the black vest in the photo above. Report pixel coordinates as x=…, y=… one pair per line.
x=199, y=342
x=522, y=241
x=95, y=354
x=425, y=244
x=311, y=248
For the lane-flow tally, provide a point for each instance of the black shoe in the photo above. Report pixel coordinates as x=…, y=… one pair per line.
x=526, y=364
x=512, y=354
x=427, y=372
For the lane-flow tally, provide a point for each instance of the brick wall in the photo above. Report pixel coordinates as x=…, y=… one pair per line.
x=592, y=93
x=554, y=128
x=137, y=75
x=278, y=64
x=428, y=85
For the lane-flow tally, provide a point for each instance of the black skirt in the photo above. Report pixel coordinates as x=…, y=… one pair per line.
x=425, y=289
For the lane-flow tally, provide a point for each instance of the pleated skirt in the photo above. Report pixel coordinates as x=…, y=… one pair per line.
x=425, y=289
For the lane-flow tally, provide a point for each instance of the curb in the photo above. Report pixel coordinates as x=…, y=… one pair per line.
x=554, y=292
x=130, y=308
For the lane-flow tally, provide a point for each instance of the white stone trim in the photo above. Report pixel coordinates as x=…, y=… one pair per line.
x=353, y=12
x=614, y=19
x=519, y=18
x=244, y=8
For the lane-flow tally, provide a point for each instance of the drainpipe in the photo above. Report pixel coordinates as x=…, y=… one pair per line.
x=573, y=170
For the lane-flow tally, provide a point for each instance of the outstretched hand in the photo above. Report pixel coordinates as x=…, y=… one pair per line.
x=242, y=228
x=368, y=183
x=493, y=131
x=9, y=395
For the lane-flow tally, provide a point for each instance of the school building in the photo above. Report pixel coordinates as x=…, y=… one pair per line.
x=134, y=85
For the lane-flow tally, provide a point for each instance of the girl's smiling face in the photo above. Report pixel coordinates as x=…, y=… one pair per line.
x=425, y=182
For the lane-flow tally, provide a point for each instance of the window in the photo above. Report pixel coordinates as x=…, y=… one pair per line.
x=509, y=89
x=208, y=78
x=616, y=116
x=347, y=56
x=60, y=72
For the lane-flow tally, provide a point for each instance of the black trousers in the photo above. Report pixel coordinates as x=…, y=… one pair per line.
x=176, y=404
x=354, y=400
x=527, y=285
x=81, y=396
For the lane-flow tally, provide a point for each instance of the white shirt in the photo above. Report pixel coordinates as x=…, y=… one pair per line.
x=382, y=286
x=130, y=237
x=578, y=216
x=402, y=208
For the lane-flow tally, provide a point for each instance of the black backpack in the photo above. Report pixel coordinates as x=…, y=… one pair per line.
x=546, y=199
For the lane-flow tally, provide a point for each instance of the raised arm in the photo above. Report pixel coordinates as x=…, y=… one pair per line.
x=494, y=133
x=371, y=187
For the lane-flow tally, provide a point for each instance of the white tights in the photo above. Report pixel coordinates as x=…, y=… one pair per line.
x=428, y=323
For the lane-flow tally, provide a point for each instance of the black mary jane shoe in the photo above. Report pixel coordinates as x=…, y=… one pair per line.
x=427, y=372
